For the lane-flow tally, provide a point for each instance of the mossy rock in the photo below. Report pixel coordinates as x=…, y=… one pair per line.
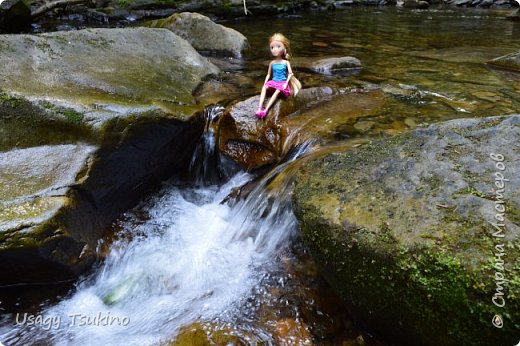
x=402, y=230
x=208, y=334
x=34, y=185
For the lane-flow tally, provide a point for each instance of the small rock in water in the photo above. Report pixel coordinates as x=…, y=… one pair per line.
x=410, y=122
x=363, y=125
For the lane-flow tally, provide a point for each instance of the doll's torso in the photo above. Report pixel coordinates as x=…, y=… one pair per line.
x=279, y=71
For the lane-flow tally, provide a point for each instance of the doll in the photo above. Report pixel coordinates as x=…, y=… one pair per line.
x=283, y=81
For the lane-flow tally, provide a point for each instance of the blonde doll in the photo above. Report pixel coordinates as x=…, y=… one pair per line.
x=283, y=80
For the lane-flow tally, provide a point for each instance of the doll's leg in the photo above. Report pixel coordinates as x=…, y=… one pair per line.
x=272, y=99
x=262, y=97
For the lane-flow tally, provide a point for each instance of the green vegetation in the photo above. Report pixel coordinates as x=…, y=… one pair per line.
x=70, y=114
x=9, y=100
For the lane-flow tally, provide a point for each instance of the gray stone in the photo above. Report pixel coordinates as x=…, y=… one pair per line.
x=105, y=71
x=204, y=34
x=336, y=65
x=402, y=229
x=35, y=184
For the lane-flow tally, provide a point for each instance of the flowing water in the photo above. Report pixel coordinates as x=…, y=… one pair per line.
x=186, y=254
x=198, y=257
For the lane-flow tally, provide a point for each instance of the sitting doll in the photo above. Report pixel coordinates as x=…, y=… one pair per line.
x=283, y=80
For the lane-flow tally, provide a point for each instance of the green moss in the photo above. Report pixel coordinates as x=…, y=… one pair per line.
x=435, y=295
x=124, y=3
x=9, y=100
x=470, y=190
x=512, y=212
x=70, y=114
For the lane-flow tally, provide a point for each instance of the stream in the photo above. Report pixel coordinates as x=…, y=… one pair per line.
x=221, y=256
x=205, y=255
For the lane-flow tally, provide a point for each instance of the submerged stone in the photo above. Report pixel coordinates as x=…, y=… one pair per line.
x=509, y=62
x=403, y=230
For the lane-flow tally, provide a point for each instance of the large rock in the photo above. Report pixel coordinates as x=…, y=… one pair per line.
x=93, y=68
x=316, y=113
x=33, y=190
x=204, y=34
x=509, y=62
x=58, y=200
x=125, y=92
x=403, y=230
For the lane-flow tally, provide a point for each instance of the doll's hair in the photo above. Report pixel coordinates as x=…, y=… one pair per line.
x=295, y=83
x=280, y=37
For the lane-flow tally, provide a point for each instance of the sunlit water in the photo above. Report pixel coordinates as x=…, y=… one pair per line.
x=431, y=63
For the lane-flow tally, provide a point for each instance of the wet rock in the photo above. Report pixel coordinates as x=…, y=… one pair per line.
x=14, y=15
x=84, y=68
x=402, y=229
x=204, y=34
x=294, y=330
x=69, y=88
x=509, y=62
x=315, y=113
x=34, y=191
x=414, y=4
x=206, y=333
x=336, y=65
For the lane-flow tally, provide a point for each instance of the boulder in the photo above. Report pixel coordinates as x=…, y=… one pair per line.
x=419, y=233
x=508, y=62
x=34, y=186
x=329, y=66
x=99, y=68
x=58, y=199
x=68, y=89
x=417, y=4
x=316, y=113
x=203, y=34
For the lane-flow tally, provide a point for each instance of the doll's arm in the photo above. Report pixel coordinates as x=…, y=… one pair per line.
x=289, y=75
x=268, y=73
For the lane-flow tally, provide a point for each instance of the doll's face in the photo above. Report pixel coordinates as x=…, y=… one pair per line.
x=277, y=48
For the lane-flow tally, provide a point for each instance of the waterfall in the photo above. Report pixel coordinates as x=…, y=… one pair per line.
x=183, y=255
x=208, y=166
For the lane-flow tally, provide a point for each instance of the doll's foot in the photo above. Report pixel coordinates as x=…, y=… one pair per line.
x=261, y=113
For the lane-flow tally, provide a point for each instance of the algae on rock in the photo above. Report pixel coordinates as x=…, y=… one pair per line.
x=397, y=230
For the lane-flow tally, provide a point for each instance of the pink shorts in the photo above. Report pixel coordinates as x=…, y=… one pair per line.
x=279, y=86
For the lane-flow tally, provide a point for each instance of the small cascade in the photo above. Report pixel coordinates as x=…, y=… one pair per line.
x=182, y=256
x=207, y=166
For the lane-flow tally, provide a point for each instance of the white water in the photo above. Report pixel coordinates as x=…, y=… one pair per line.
x=192, y=259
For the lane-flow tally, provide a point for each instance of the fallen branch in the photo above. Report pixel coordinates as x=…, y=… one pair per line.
x=53, y=4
